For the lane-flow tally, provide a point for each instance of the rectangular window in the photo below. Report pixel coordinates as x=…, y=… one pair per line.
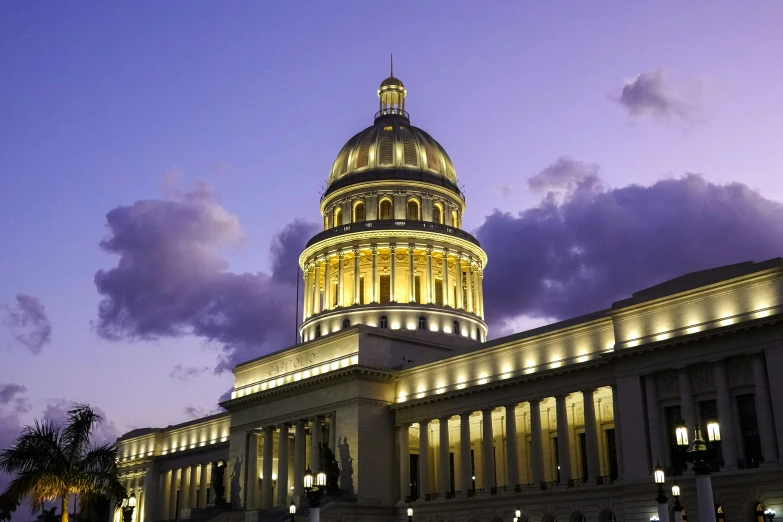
x=749, y=428
x=417, y=289
x=414, y=473
x=473, y=469
x=439, y=292
x=361, y=289
x=385, y=288
x=583, y=455
x=556, y=454
x=451, y=472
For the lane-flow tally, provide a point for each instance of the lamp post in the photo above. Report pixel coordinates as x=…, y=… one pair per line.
x=706, y=458
x=677, y=506
x=314, y=493
x=410, y=513
x=292, y=510
x=128, y=506
x=517, y=514
x=770, y=514
x=660, y=478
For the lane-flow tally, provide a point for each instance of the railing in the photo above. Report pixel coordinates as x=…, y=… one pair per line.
x=392, y=111
x=392, y=224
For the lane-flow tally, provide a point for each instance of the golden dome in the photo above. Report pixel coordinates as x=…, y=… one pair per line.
x=392, y=143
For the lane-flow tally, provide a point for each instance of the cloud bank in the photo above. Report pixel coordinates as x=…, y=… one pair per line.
x=29, y=322
x=171, y=278
x=585, y=246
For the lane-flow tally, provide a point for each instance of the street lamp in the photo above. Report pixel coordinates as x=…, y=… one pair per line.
x=660, y=478
x=517, y=513
x=706, y=457
x=677, y=506
x=770, y=514
x=292, y=510
x=314, y=493
x=128, y=506
x=654, y=518
x=410, y=513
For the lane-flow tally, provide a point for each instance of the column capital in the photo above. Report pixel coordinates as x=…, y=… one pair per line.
x=374, y=249
x=444, y=420
x=487, y=411
x=429, y=249
x=355, y=251
x=511, y=406
x=340, y=254
x=562, y=396
x=465, y=415
x=393, y=247
x=589, y=391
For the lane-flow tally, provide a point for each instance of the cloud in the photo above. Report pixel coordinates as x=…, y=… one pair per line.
x=56, y=411
x=197, y=412
x=12, y=398
x=564, y=177
x=28, y=319
x=652, y=94
x=171, y=278
x=184, y=373
x=504, y=190
x=567, y=257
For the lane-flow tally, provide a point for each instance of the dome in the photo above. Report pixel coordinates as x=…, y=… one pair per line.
x=392, y=143
x=391, y=81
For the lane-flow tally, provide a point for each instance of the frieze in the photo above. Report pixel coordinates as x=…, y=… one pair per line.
x=607, y=410
x=579, y=415
x=291, y=363
x=702, y=378
x=668, y=385
x=740, y=371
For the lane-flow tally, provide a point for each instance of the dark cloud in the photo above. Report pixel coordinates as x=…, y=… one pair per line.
x=566, y=257
x=197, y=412
x=13, y=398
x=172, y=280
x=188, y=372
x=56, y=411
x=565, y=176
x=28, y=319
x=651, y=94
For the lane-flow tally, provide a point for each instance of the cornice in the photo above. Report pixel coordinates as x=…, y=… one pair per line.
x=392, y=307
x=351, y=239
x=391, y=184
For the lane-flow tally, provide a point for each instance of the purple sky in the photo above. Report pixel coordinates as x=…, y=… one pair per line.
x=107, y=104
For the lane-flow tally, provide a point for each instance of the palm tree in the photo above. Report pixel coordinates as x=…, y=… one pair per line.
x=57, y=461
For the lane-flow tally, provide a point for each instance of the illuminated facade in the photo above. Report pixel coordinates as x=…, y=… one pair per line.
x=564, y=422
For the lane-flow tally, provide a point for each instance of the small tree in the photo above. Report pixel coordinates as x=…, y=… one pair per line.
x=53, y=462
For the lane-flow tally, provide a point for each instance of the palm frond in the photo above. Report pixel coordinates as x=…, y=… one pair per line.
x=37, y=447
x=38, y=486
x=76, y=432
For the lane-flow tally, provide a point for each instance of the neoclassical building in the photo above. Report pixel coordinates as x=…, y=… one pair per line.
x=395, y=375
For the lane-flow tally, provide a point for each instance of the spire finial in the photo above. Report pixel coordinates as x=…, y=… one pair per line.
x=391, y=60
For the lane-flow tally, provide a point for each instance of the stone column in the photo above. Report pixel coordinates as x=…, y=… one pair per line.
x=705, y=499
x=466, y=473
x=769, y=449
x=618, y=439
x=512, y=459
x=446, y=287
x=193, y=487
x=430, y=280
x=184, y=489
x=487, y=451
x=203, y=485
x=315, y=449
x=327, y=305
x=469, y=283
x=300, y=438
x=411, y=274
x=340, y=285
x=403, y=439
x=374, y=273
x=563, y=446
x=725, y=416
x=443, y=457
x=458, y=262
x=317, y=287
x=164, y=512
x=481, y=292
x=251, y=467
x=591, y=436
x=173, y=515
x=393, y=274
x=356, y=296
x=657, y=455
x=536, y=444
x=266, y=473
x=686, y=401
x=424, y=459
x=333, y=431
x=150, y=493
x=476, y=287
x=282, y=466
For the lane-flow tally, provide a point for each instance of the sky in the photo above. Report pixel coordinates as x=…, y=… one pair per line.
x=161, y=165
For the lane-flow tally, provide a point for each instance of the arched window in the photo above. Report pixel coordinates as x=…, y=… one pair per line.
x=454, y=219
x=383, y=322
x=478, y=333
x=338, y=217
x=422, y=322
x=385, y=209
x=346, y=323
x=413, y=210
x=318, y=331
x=358, y=211
x=456, y=327
x=437, y=213
x=577, y=516
x=607, y=515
